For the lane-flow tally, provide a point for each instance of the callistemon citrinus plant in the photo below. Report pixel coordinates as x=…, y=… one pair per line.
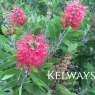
x=74, y=14
x=18, y=16
x=32, y=51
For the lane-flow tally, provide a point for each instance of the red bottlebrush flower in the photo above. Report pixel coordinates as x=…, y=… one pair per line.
x=74, y=14
x=32, y=51
x=18, y=16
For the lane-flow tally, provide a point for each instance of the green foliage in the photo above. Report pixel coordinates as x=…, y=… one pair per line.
x=64, y=90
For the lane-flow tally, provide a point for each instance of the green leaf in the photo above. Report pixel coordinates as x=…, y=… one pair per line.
x=48, y=65
x=72, y=40
x=33, y=89
x=73, y=37
x=37, y=81
x=4, y=39
x=28, y=87
x=12, y=58
x=12, y=71
x=63, y=90
x=20, y=90
x=34, y=69
x=54, y=27
x=5, y=65
x=49, y=93
x=4, y=30
x=7, y=77
x=1, y=74
x=10, y=84
x=15, y=91
x=92, y=90
x=19, y=30
x=72, y=48
x=67, y=42
x=4, y=54
x=7, y=48
x=4, y=93
x=13, y=37
x=89, y=67
x=38, y=31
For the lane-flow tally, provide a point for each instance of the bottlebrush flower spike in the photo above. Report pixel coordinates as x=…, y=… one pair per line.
x=32, y=51
x=18, y=16
x=74, y=14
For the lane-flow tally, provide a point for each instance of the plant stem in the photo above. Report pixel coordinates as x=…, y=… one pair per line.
x=58, y=43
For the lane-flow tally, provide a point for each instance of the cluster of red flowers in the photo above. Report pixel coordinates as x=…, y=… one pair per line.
x=18, y=16
x=32, y=51
x=74, y=14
